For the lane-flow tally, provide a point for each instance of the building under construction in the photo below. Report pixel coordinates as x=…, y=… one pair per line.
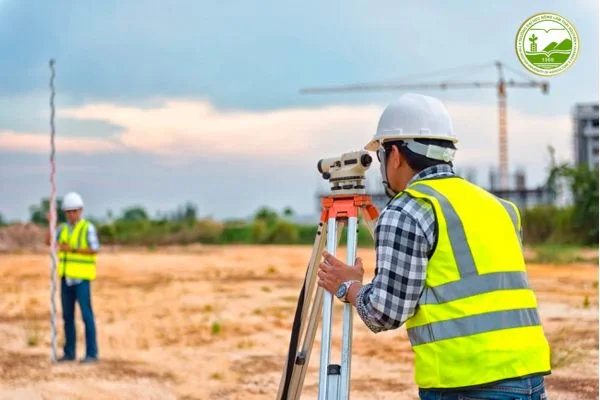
x=585, y=135
x=517, y=191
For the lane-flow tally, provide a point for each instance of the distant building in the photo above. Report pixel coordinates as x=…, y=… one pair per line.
x=519, y=193
x=524, y=197
x=585, y=121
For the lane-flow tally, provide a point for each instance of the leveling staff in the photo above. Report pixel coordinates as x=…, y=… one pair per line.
x=449, y=264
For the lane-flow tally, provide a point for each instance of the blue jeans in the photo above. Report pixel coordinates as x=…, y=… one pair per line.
x=515, y=389
x=69, y=295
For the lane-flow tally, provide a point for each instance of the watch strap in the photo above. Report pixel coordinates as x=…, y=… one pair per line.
x=348, y=284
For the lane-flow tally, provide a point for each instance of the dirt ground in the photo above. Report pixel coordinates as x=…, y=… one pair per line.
x=214, y=323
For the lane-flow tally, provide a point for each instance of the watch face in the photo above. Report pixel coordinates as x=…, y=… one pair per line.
x=341, y=291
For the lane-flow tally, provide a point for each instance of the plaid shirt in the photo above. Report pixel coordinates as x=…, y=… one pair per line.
x=404, y=238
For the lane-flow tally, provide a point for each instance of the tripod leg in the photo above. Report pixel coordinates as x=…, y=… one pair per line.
x=333, y=381
x=347, y=325
x=332, y=235
x=303, y=357
x=297, y=362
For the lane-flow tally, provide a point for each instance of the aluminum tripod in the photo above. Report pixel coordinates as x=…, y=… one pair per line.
x=334, y=379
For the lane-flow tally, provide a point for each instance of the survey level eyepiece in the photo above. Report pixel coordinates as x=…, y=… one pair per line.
x=346, y=173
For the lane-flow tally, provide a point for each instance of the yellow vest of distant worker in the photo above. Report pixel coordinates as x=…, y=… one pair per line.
x=477, y=321
x=73, y=265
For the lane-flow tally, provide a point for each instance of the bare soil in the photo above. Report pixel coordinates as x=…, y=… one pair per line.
x=214, y=323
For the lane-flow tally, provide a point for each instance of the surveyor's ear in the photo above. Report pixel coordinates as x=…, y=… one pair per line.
x=397, y=158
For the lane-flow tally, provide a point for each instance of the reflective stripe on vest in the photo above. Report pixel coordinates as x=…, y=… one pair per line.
x=510, y=208
x=477, y=319
x=473, y=325
x=473, y=285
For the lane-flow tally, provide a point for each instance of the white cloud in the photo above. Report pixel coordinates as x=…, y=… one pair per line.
x=194, y=128
x=183, y=130
x=37, y=143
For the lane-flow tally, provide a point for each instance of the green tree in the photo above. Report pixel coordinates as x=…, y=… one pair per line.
x=268, y=215
x=284, y=233
x=38, y=213
x=583, y=185
x=135, y=213
x=2, y=220
x=260, y=231
x=288, y=212
x=188, y=213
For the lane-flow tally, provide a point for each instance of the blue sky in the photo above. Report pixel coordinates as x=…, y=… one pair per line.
x=199, y=101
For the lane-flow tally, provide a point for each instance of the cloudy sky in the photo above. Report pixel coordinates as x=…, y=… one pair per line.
x=159, y=102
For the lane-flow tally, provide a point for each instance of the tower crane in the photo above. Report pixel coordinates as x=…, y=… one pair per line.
x=501, y=84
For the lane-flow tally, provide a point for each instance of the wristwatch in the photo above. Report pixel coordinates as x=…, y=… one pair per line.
x=342, y=291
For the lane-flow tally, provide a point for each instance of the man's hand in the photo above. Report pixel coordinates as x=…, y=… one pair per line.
x=64, y=247
x=333, y=272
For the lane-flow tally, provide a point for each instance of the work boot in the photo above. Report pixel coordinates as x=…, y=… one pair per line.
x=65, y=359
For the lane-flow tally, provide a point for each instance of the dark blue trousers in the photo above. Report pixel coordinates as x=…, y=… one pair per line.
x=81, y=294
x=531, y=388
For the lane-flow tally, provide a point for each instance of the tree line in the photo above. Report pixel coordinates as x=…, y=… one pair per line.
x=575, y=224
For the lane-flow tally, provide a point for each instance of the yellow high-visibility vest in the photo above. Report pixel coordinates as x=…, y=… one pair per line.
x=74, y=265
x=477, y=320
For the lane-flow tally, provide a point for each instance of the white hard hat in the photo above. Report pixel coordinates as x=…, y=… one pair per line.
x=415, y=116
x=72, y=201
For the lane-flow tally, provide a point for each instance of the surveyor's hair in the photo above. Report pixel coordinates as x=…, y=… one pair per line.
x=416, y=161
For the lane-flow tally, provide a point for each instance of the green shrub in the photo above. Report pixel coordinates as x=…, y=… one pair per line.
x=538, y=224
x=236, y=233
x=552, y=225
x=306, y=233
x=284, y=233
x=260, y=231
x=207, y=231
x=583, y=185
x=107, y=233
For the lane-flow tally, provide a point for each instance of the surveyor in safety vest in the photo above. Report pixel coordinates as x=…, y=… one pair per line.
x=449, y=265
x=78, y=245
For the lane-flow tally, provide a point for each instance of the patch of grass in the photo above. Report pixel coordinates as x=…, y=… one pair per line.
x=217, y=376
x=208, y=308
x=595, y=285
x=245, y=344
x=257, y=311
x=265, y=289
x=271, y=269
x=560, y=254
x=215, y=328
x=586, y=302
x=291, y=299
x=33, y=340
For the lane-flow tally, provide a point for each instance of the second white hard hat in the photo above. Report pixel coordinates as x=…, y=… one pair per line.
x=72, y=201
x=413, y=116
